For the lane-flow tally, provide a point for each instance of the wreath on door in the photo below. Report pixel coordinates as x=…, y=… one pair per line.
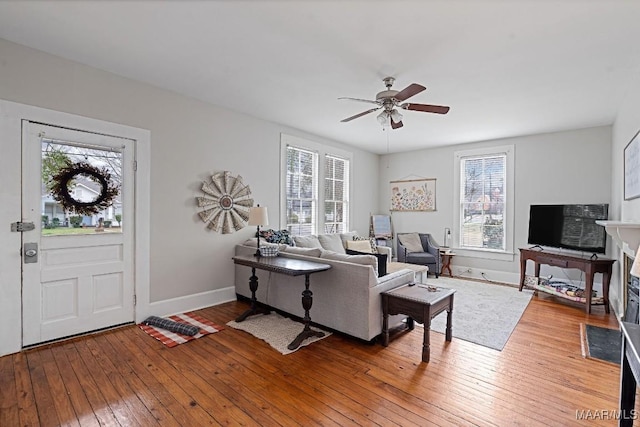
x=66, y=179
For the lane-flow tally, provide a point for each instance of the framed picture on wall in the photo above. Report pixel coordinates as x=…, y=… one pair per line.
x=632, y=168
x=416, y=195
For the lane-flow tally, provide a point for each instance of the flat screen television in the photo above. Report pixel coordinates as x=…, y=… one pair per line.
x=569, y=226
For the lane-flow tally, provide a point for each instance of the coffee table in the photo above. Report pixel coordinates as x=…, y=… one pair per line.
x=421, y=303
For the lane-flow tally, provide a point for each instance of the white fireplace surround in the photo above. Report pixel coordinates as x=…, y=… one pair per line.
x=626, y=234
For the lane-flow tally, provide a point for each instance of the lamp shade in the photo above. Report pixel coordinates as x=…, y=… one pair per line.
x=396, y=116
x=383, y=118
x=258, y=216
x=635, y=267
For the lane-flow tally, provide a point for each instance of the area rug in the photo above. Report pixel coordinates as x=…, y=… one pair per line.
x=172, y=339
x=276, y=330
x=601, y=343
x=483, y=313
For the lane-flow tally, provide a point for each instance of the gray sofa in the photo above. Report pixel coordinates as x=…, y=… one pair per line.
x=346, y=298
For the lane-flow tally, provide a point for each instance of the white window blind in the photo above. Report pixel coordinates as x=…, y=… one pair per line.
x=301, y=191
x=336, y=194
x=482, y=202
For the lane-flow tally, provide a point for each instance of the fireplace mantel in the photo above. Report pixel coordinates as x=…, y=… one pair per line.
x=626, y=234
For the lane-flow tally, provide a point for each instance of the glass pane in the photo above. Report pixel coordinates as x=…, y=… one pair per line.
x=81, y=188
x=328, y=190
x=306, y=187
x=328, y=167
x=339, y=195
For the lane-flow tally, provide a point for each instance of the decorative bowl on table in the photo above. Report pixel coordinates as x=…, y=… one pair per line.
x=268, y=251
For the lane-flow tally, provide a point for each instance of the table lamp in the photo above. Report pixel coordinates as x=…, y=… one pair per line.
x=258, y=217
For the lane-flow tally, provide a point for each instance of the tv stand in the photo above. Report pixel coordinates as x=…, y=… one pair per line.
x=589, y=265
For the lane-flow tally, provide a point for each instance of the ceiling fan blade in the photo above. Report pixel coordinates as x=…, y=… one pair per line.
x=439, y=109
x=409, y=91
x=348, y=119
x=361, y=100
x=395, y=125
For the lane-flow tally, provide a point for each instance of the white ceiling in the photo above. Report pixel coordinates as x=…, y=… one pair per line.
x=505, y=68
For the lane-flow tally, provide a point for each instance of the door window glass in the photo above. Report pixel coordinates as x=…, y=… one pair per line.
x=98, y=184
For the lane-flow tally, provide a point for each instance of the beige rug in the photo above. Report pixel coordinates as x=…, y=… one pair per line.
x=276, y=330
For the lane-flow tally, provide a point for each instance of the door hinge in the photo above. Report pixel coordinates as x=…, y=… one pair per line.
x=135, y=300
x=135, y=165
x=20, y=226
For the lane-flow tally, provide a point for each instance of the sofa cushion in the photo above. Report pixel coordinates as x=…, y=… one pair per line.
x=367, y=259
x=307, y=241
x=360, y=246
x=411, y=241
x=382, y=261
x=347, y=237
x=331, y=242
x=422, y=258
x=314, y=252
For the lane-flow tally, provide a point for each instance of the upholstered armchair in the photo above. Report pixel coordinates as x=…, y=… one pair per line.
x=419, y=248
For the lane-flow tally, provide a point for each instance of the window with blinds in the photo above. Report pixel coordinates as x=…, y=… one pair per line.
x=301, y=191
x=482, y=202
x=336, y=194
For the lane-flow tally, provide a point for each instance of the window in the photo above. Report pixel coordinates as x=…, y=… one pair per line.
x=482, y=202
x=484, y=199
x=314, y=174
x=336, y=194
x=301, y=189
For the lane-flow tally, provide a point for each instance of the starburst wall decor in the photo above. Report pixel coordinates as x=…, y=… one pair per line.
x=225, y=203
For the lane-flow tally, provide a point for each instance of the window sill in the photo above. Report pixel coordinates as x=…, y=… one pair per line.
x=485, y=254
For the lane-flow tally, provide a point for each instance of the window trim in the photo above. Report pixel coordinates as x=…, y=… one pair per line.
x=501, y=255
x=322, y=150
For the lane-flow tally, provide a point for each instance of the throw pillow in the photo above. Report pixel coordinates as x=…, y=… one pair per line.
x=331, y=242
x=411, y=241
x=307, y=242
x=372, y=242
x=277, y=236
x=360, y=245
x=382, y=261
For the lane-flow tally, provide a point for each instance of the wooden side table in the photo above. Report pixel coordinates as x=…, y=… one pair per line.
x=446, y=262
x=420, y=304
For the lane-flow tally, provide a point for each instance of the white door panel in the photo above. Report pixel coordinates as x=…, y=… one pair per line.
x=83, y=281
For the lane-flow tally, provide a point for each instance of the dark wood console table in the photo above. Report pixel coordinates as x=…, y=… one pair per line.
x=590, y=266
x=629, y=372
x=288, y=266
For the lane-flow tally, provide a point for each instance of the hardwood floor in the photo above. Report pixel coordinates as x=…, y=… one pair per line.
x=124, y=377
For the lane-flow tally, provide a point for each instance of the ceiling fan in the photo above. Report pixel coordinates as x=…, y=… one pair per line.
x=389, y=99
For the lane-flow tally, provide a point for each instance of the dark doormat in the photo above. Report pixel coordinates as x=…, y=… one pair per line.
x=601, y=343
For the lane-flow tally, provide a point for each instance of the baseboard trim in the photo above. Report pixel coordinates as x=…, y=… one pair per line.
x=188, y=303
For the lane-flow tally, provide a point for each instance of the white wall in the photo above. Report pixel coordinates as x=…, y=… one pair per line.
x=562, y=167
x=189, y=140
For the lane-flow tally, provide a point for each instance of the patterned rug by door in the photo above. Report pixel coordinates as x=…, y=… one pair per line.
x=172, y=339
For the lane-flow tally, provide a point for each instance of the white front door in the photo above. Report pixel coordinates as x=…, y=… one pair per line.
x=77, y=270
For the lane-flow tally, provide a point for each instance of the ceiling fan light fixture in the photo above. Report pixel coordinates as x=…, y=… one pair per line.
x=396, y=116
x=383, y=118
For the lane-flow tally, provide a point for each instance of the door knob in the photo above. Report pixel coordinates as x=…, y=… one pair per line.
x=30, y=253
